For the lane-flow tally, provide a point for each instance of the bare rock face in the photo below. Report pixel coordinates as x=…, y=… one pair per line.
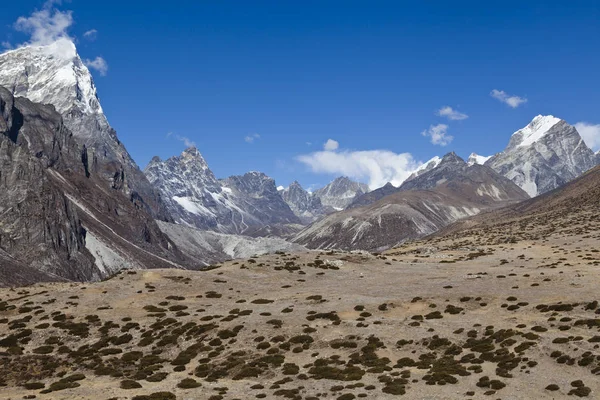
x=56, y=75
x=306, y=206
x=236, y=205
x=56, y=214
x=544, y=155
x=430, y=201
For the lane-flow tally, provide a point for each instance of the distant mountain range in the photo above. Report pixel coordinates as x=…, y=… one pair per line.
x=420, y=206
x=75, y=206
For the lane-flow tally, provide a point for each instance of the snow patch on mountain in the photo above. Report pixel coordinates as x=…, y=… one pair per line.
x=475, y=158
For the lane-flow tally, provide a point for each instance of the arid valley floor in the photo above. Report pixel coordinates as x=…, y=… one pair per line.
x=448, y=318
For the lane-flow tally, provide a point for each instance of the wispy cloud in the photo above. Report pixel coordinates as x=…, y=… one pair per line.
x=451, y=114
x=590, y=134
x=438, y=135
x=186, y=141
x=331, y=145
x=377, y=167
x=251, y=138
x=91, y=35
x=510, y=100
x=99, y=64
x=46, y=26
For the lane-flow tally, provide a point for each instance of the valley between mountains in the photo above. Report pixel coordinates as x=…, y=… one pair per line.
x=472, y=279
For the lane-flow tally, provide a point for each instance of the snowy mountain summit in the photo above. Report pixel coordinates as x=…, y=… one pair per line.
x=544, y=155
x=539, y=127
x=55, y=74
x=475, y=158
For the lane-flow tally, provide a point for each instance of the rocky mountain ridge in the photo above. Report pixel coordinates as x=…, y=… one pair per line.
x=236, y=205
x=544, y=155
x=307, y=206
x=341, y=192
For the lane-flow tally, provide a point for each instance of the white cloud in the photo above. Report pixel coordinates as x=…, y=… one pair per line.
x=91, y=35
x=377, y=167
x=511, y=101
x=7, y=45
x=438, y=134
x=451, y=114
x=331, y=145
x=186, y=141
x=46, y=26
x=590, y=134
x=252, y=138
x=99, y=64
x=49, y=27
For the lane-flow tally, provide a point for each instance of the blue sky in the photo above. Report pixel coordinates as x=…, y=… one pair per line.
x=370, y=75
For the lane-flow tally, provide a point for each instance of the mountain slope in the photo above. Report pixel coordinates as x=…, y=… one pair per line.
x=544, y=155
x=571, y=209
x=450, y=191
x=476, y=182
x=194, y=196
x=56, y=75
x=56, y=216
x=341, y=192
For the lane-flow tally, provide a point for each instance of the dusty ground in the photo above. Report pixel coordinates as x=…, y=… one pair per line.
x=433, y=320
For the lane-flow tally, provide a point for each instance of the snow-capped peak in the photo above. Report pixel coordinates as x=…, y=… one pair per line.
x=536, y=129
x=52, y=74
x=426, y=166
x=434, y=162
x=475, y=158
